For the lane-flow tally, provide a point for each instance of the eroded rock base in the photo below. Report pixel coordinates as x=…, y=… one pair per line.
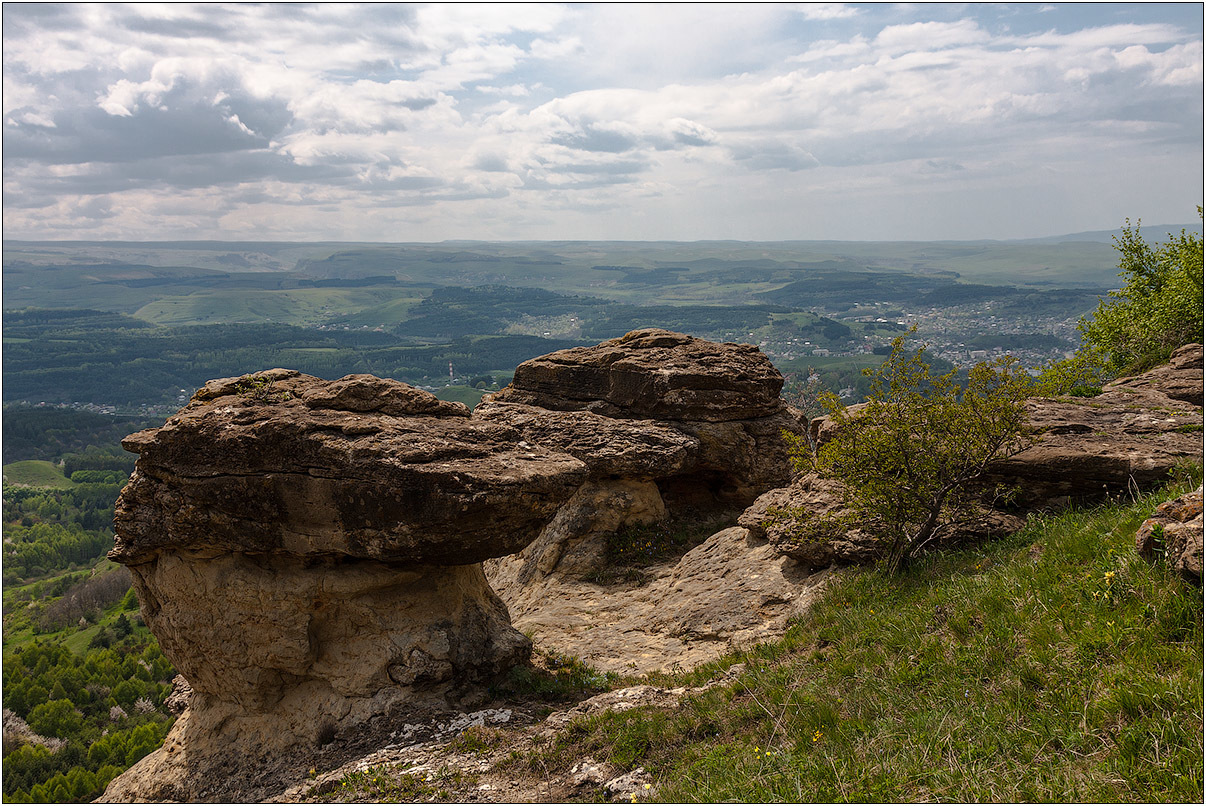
x=285, y=653
x=731, y=591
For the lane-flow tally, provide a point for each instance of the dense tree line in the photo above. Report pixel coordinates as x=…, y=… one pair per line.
x=45, y=433
x=104, y=708
x=84, y=506
x=32, y=551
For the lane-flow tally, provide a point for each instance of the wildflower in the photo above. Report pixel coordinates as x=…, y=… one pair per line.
x=816, y=736
x=1109, y=577
x=649, y=786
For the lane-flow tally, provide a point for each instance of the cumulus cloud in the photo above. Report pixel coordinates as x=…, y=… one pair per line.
x=245, y=112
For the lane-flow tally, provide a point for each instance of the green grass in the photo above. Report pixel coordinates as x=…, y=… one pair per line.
x=20, y=632
x=1055, y=665
x=36, y=473
x=299, y=306
x=461, y=394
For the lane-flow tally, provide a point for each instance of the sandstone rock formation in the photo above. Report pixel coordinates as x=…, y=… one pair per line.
x=1127, y=438
x=1174, y=534
x=665, y=423
x=1180, y=378
x=308, y=555
x=778, y=515
x=670, y=427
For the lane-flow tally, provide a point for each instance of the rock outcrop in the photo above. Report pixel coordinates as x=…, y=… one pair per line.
x=1174, y=535
x=670, y=427
x=665, y=423
x=308, y=555
x=1128, y=438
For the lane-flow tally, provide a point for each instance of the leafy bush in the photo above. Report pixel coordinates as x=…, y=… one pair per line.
x=912, y=456
x=1140, y=325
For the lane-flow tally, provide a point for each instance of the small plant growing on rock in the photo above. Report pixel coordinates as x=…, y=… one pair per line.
x=913, y=457
x=261, y=391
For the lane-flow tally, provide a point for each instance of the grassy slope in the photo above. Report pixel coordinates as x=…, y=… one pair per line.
x=1055, y=665
x=461, y=394
x=302, y=306
x=36, y=473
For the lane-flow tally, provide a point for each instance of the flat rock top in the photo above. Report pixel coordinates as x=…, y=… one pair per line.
x=1179, y=379
x=652, y=373
x=360, y=466
x=636, y=448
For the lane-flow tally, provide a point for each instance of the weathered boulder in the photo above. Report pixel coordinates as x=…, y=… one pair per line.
x=777, y=517
x=1130, y=437
x=788, y=519
x=308, y=554
x=652, y=373
x=1180, y=378
x=667, y=424
x=1175, y=534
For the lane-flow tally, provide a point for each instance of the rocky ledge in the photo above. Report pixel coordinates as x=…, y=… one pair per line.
x=666, y=424
x=1128, y=438
x=308, y=554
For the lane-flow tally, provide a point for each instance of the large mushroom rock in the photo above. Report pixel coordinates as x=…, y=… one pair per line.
x=666, y=423
x=308, y=554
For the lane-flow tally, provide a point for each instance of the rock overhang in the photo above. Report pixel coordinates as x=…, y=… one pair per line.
x=366, y=467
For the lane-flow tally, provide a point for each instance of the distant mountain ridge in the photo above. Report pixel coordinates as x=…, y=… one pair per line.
x=1150, y=232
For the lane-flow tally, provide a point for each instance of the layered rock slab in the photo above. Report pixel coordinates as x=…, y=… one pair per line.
x=652, y=373
x=308, y=554
x=667, y=425
x=671, y=428
x=1130, y=437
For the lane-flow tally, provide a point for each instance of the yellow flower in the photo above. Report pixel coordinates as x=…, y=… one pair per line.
x=816, y=736
x=649, y=786
x=1109, y=576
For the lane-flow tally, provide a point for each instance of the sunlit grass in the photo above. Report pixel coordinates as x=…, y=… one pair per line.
x=1055, y=665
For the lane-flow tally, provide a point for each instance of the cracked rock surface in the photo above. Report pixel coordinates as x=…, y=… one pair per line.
x=308, y=554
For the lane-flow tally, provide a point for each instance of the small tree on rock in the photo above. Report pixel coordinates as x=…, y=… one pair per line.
x=913, y=457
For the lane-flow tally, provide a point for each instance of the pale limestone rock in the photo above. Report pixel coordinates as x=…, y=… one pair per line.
x=308, y=555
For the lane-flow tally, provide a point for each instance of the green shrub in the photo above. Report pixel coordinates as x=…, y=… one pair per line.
x=1140, y=325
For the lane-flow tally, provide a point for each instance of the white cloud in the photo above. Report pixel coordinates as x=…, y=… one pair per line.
x=827, y=11
x=242, y=113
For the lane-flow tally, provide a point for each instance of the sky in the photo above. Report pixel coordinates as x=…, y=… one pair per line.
x=403, y=123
